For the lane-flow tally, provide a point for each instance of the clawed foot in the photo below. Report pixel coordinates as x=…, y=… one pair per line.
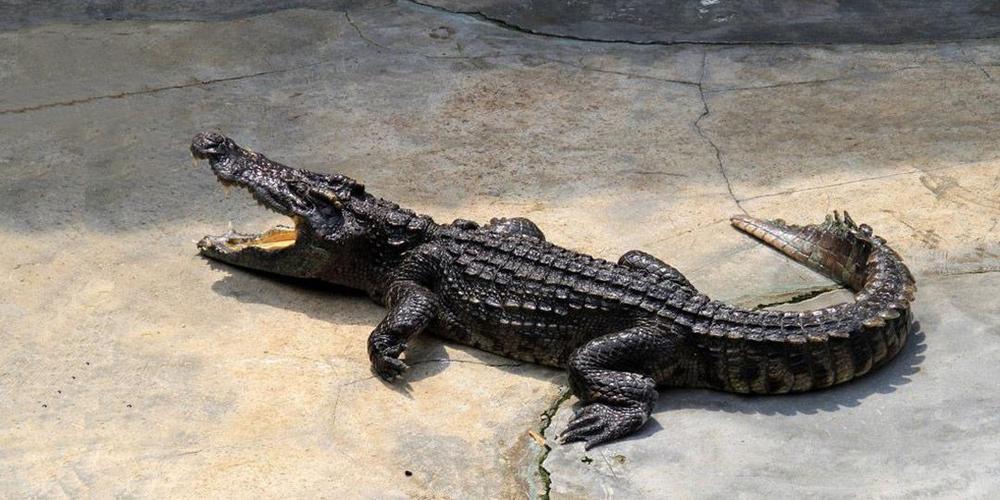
x=384, y=354
x=599, y=423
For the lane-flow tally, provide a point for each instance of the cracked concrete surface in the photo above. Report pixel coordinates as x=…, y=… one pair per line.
x=130, y=366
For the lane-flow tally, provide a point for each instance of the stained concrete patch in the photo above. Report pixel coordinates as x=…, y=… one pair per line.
x=131, y=366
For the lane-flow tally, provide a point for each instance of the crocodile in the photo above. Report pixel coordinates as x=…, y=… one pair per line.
x=621, y=330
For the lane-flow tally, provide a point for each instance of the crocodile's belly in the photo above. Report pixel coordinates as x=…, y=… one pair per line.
x=522, y=320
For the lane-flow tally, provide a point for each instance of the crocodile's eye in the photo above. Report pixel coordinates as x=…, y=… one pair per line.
x=329, y=219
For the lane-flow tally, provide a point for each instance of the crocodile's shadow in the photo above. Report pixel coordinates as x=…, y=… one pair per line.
x=334, y=304
x=883, y=380
x=428, y=357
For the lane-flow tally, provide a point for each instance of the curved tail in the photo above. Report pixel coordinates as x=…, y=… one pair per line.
x=776, y=351
x=843, y=251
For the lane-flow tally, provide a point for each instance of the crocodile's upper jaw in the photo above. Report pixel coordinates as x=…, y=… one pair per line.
x=272, y=185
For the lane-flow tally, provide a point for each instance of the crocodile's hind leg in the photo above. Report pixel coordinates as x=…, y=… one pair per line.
x=614, y=376
x=412, y=306
x=637, y=259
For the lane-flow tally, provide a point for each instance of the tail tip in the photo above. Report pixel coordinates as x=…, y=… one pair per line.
x=742, y=221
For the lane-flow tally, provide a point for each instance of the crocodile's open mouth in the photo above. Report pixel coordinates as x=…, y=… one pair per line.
x=310, y=200
x=277, y=238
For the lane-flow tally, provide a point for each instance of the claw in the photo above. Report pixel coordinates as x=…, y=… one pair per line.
x=580, y=433
x=385, y=360
x=598, y=423
x=390, y=369
x=581, y=421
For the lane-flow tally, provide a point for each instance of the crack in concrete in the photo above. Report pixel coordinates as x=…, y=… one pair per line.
x=973, y=62
x=820, y=81
x=357, y=29
x=336, y=404
x=855, y=181
x=131, y=93
x=701, y=132
x=974, y=271
x=544, y=474
x=579, y=65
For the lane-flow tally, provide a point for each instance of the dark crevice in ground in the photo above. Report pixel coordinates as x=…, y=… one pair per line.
x=583, y=67
x=815, y=82
x=131, y=93
x=701, y=132
x=973, y=62
x=974, y=271
x=855, y=181
x=347, y=16
x=544, y=475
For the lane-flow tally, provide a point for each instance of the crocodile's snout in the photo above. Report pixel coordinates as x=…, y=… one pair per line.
x=206, y=144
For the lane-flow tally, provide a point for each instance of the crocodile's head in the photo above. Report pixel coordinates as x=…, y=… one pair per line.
x=329, y=236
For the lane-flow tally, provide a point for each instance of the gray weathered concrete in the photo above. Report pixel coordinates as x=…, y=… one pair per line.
x=130, y=366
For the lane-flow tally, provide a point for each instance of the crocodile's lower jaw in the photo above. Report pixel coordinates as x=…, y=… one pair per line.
x=272, y=240
x=277, y=238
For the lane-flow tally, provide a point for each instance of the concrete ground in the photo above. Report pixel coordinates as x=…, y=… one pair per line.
x=132, y=367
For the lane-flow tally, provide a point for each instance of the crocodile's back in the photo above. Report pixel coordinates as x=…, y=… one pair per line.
x=531, y=300
x=528, y=299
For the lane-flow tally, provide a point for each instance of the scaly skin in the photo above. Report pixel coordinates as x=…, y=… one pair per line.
x=620, y=329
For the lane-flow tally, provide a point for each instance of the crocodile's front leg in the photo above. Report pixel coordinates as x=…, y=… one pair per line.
x=412, y=306
x=614, y=376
